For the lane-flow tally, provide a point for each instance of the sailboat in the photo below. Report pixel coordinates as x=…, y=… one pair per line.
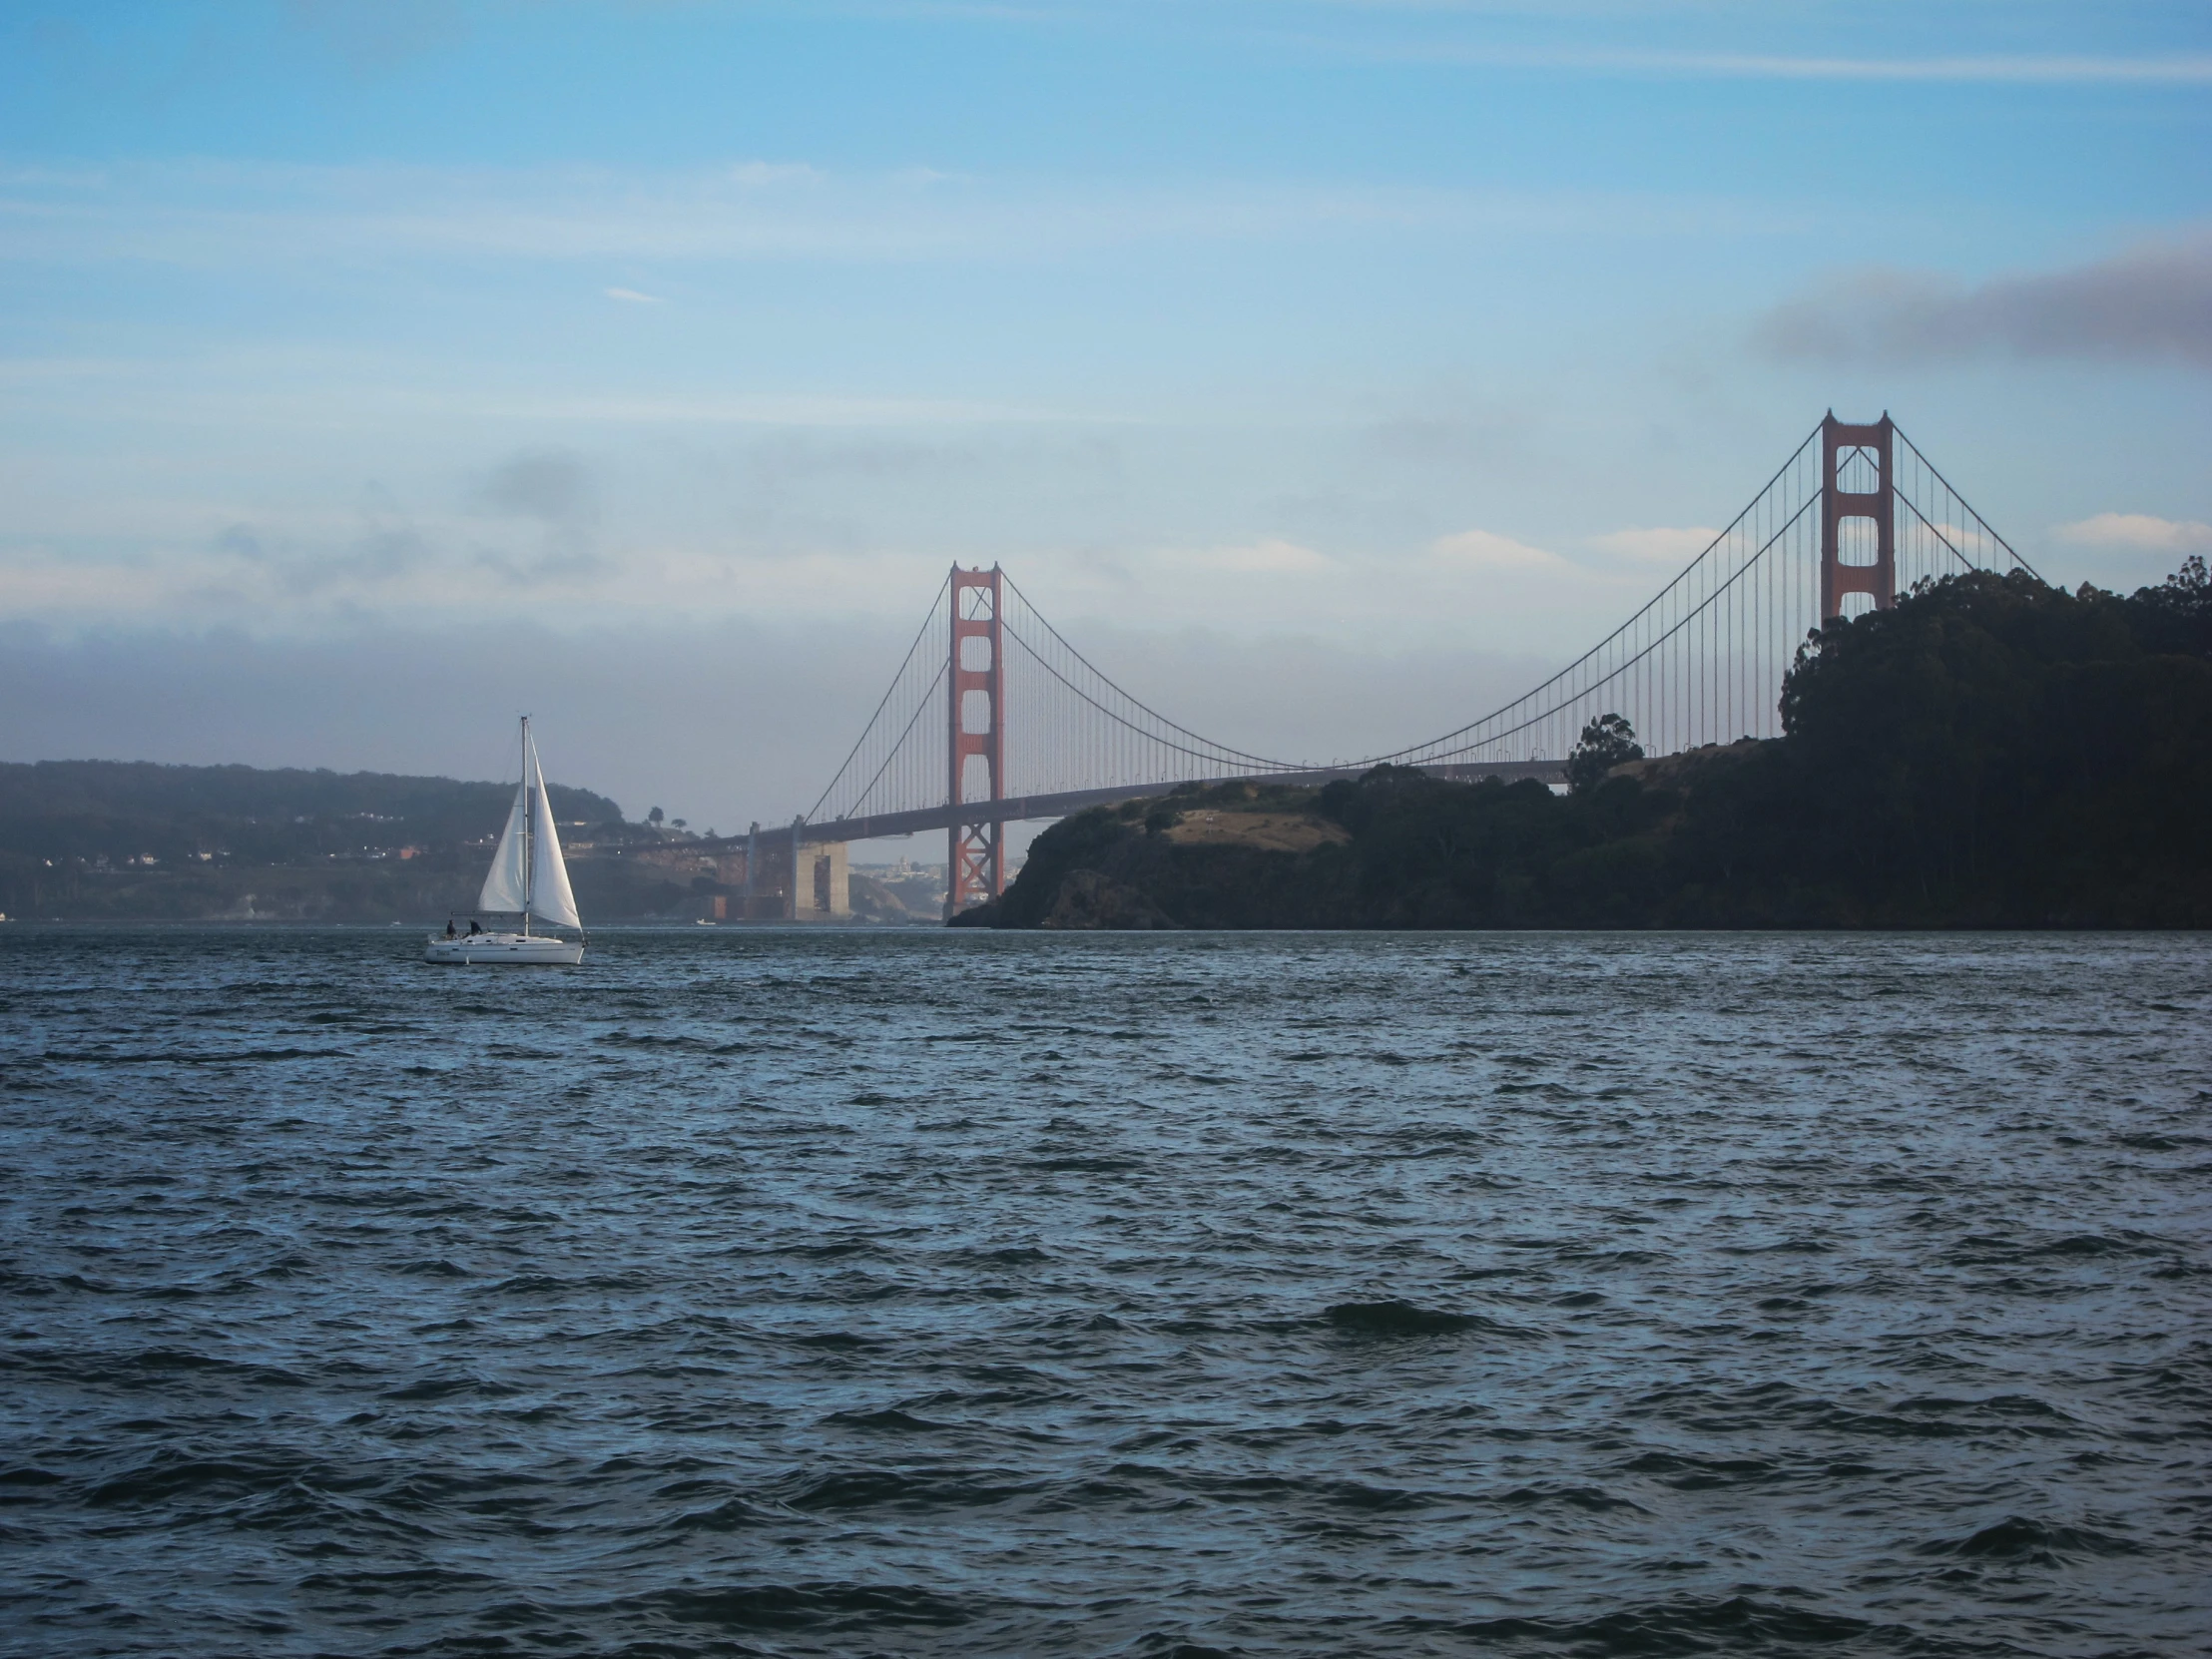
x=527, y=879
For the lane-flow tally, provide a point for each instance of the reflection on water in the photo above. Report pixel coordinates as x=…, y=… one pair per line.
x=800, y=1293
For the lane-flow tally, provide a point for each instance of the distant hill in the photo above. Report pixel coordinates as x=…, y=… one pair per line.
x=118, y=810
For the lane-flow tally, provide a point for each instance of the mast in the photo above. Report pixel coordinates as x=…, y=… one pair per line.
x=529, y=819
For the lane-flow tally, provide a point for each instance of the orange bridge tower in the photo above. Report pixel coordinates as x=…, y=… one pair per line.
x=1848, y=455
x=975, y=708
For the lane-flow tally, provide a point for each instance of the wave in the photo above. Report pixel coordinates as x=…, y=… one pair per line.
x=1403, y=1319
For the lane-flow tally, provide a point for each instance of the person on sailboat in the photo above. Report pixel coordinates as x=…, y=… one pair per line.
x=449, y=928
x=473, y=927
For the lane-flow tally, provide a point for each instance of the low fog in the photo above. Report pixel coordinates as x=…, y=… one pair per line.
x=719, y=723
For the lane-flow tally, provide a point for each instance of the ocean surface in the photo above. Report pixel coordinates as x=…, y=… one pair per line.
x=782, y=1292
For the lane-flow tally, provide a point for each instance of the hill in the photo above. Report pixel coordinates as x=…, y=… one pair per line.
x=1992, y=751
x=120, y=837
x=121, y=810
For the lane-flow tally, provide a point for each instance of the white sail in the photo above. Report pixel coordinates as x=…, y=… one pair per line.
x=507, y=882
x=550, y=898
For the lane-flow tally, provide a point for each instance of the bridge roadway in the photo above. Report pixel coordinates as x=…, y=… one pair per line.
x=1016, y=809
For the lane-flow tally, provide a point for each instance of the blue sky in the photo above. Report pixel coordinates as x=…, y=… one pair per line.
x=703, y=334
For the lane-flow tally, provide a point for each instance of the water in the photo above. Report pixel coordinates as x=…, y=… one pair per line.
x=803, y=1292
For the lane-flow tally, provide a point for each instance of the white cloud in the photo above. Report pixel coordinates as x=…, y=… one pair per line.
x=1486, y=550
x=634, y=298
x=1659, y=544
x=212, y=214
x=2139, y=533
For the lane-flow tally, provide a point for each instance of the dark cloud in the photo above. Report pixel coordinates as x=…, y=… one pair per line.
x=549, y=485
x=243, y=540
x=387, y=548
x=555, y=489
x=2150, y=305
x=382, y=553
x=527, y=571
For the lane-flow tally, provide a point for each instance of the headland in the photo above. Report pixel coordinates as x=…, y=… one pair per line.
x=1989, y=752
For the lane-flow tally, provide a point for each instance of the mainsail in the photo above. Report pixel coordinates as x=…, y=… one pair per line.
x=528, y=875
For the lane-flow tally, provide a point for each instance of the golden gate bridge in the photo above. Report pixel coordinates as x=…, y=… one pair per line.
x=994, y=718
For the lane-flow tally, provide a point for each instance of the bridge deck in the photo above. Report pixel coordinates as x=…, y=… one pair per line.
x=1019, y=809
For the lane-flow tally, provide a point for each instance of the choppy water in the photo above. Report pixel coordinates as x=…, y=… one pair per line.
x=792, y=1293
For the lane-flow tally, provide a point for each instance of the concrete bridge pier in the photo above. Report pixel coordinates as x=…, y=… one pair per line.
x=776, y=876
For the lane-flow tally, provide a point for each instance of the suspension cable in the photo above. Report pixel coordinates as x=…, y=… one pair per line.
x=1211, y=751
x=1964, y=502
x=1182, y=731
x=1623, y=667
x=888, y=691
x=1649, y=606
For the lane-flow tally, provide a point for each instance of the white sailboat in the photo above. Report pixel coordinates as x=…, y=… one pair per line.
x=527, y=879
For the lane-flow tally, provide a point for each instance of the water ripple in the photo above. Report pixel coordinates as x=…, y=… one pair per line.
x=758, y=1292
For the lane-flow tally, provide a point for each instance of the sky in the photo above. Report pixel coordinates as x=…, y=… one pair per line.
x=1329, y=370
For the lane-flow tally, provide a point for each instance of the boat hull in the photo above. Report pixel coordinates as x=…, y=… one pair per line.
x=504, y=950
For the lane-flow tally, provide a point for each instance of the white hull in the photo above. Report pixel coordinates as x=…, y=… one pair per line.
x=513, y=949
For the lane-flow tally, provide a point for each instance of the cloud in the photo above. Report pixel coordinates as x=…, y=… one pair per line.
x=771, y=410
x=1268, y=557
x=244, y=541
x=631, y=296
x=559, y=566
x=1658, y=544
x=639, y=708
x=1590, y=19
x=263, y=215
x=380, y=35
x=2177, y=68
x=1485, y=550
x=2149, y=305
x=1466, y=435
x=382, y=553
x=554, y=488
x=549, y=485
x=2139, y=533
x=382, y=32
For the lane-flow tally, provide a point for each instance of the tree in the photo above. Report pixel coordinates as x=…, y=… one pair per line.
x=1605, y=742
x=654, y=818
x=2176, y=616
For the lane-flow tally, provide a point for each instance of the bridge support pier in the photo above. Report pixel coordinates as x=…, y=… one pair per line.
x=1879, y=581
x=975, y=747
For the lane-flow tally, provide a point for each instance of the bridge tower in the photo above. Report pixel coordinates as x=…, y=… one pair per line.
x=976, y=712
x=1840, y=440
